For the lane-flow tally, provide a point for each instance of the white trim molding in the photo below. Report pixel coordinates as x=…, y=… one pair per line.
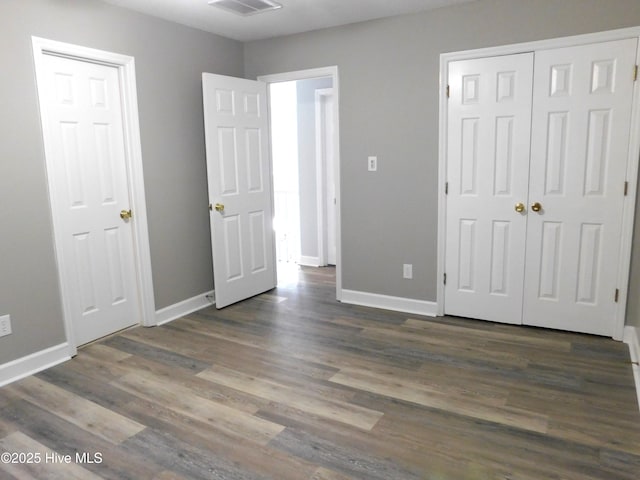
x=180, y=309
x=34, y=363
x=387, y=302
x=321, y=172
x=317, y=73
x=628, y=213
x=307, y=261
x=632, y=339
x=131, y=129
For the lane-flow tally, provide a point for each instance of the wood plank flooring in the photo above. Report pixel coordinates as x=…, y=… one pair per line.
x=294, y=385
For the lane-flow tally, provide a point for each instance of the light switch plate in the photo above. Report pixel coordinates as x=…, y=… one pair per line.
x=372, y=164
x=5, y=325
x=407, y=270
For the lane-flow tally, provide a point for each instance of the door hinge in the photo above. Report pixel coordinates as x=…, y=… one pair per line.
x=635, y=73
x=626, y=188
x=448, y=91
x=445, y=278
x=446, y=188
x=615, y=298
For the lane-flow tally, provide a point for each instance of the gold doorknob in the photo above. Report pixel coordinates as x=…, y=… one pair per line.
x=219, y=207
x=125, y=214
x=536, y=207
x=519, y=207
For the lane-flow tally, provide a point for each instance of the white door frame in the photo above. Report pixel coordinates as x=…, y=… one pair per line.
x=321, y=177
x=624, y=258
x=317, y=73
x=133, y=158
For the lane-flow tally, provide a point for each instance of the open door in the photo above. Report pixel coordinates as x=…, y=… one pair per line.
x=239, y=179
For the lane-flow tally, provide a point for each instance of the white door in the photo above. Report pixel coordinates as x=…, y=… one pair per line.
x=579, y=150
x=239, y=179
x=81, y=107
x=489, y=125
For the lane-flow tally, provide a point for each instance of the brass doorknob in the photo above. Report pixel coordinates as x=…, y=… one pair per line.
x=219, y=207
x=536, y=207
x=519, y=207
x=125, y=214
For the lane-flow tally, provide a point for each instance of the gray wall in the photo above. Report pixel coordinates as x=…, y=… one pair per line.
x=389, y=82
x=169, y=62
x=307, y=178
x=388, y=73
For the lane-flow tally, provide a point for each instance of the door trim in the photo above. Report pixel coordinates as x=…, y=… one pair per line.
x=628, y=214
x=321, y=160
x=316, y=73
x=133, y=158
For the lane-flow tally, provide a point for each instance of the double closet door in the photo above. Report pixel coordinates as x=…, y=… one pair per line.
x=537, y=148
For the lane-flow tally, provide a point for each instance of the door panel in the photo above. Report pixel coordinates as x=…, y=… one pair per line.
x=550, y=260
x=489, y=125
x=579, y=149
x=81, y=103
x=239, y=177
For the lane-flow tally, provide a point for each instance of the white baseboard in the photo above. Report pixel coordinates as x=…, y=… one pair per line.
x=632, y=338
x=34, y=363
x=398, y=304
x=38, y=361
x=180, y=309
x=307, y=261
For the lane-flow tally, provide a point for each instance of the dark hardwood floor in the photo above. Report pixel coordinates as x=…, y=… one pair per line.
x=294, y=385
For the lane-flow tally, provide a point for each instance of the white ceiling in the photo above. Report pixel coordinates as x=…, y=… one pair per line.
x=296, y=15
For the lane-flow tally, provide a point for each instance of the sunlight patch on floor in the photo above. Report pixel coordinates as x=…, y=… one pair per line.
x=288, y=273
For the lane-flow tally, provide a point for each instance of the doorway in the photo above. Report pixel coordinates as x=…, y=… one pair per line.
x=90, y=129
x=283, y=112
x=304, y=135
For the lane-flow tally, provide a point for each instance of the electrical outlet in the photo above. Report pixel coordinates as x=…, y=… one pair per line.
x=372, y=164
x=5, y=325
x=407, y=270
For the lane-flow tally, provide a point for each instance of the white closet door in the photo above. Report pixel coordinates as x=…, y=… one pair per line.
x=579, y=150
x=489, y=125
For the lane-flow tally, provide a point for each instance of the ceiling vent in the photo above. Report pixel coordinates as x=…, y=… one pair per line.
x=245, y=7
